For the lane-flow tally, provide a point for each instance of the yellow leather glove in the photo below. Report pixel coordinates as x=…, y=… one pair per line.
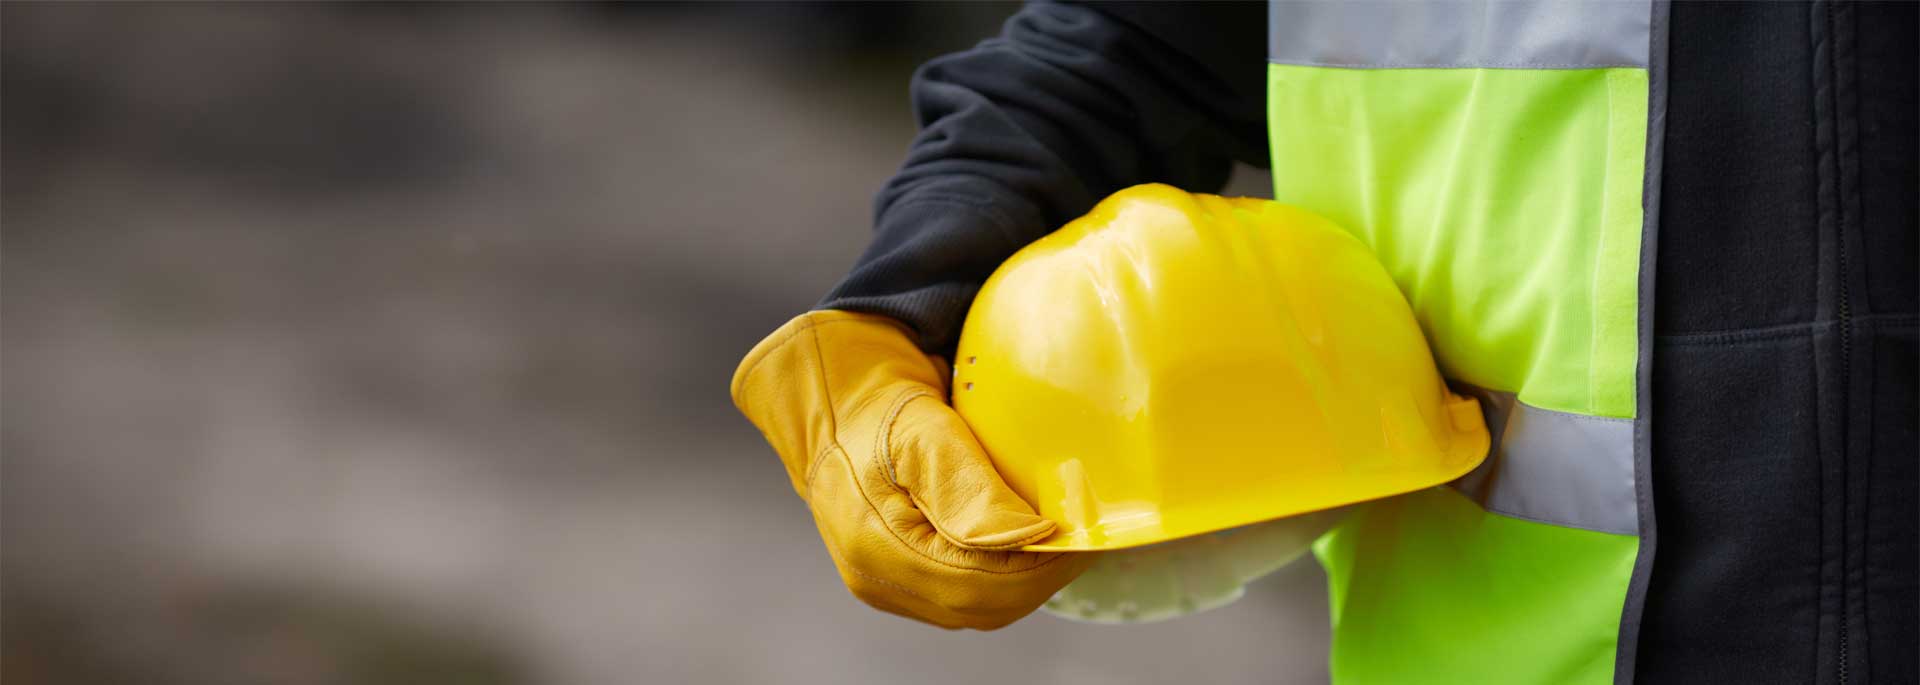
x=912, y=512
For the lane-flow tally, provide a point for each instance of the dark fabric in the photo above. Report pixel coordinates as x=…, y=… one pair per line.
x=1734, y=596
x=1888, y=107
x=1893, y=502
x=1026, y=131
x=1784, y=371
x=1737, y=197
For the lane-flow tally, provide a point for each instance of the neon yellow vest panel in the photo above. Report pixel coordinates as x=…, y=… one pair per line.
x=1495, y=157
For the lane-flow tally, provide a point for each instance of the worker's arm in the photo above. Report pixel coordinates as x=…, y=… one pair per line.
x=1027, y=130
x=1019, y=135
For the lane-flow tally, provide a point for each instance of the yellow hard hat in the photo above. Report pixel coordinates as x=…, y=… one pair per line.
x=1173, y=364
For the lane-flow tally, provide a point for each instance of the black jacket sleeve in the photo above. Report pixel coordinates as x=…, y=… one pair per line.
x=1027, y=130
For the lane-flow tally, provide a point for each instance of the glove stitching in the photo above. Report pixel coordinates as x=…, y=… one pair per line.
x=883, y=438
x=894, y=585
x=746, y=377
x=883, y=446
x=1011, y=546
x=826, y=395
x=807, y=325
x=861, y=405
x=854, y=475
x=813, y=467
x=987, y=613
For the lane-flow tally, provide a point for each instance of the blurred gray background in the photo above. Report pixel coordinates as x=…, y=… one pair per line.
x=390, y=344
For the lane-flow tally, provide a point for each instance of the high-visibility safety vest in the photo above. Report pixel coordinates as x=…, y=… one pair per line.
x=1502, y=160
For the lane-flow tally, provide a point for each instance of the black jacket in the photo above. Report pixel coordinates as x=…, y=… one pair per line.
x=1784, y=378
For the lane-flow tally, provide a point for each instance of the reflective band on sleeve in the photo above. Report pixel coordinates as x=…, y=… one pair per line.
x=1553, y=467
x=1495, y=34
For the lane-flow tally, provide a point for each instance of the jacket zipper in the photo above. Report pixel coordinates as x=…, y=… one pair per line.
x=1846, y=352
x=1845, y=318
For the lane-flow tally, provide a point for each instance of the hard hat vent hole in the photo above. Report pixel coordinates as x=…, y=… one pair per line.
x=969, y=386
x=971, y=360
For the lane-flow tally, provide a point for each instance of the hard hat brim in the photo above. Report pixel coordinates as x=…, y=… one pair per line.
x=1466, y=454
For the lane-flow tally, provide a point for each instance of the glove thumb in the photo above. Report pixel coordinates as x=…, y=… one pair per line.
x=934, y=457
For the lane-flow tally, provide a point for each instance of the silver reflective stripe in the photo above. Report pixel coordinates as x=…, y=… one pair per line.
x=1512, y=34
x=1553, y=467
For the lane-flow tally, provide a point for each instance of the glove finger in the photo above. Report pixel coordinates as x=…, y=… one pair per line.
x=934, y=457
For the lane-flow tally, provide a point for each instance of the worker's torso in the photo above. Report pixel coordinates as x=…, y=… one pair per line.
x=1514, y=166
